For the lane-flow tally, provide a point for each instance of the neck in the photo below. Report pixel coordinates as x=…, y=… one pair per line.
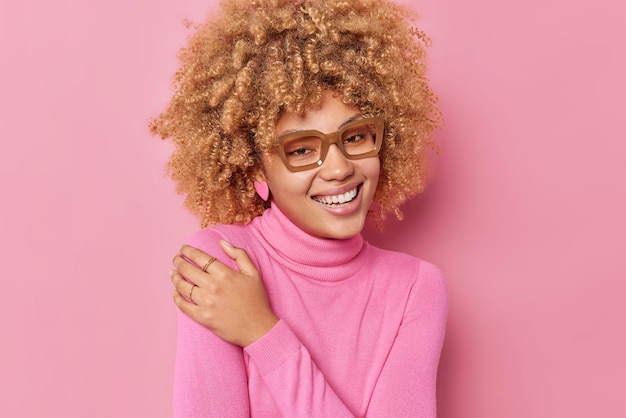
x=298, y=250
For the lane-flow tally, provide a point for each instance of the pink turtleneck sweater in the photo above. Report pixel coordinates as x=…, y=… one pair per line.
x=360, y=333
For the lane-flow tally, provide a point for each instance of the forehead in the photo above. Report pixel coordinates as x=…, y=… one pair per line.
x=328, y=117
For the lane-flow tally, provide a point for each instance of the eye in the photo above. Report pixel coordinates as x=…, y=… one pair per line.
x=302, y=147
x=354, y=138
x=299, y=151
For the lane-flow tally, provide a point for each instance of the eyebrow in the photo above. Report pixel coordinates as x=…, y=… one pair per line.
x=344, y=123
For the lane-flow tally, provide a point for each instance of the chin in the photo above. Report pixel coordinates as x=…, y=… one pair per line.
x=343, y=232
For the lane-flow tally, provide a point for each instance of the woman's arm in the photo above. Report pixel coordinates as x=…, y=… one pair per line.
x=226, y=310
x=298, y=387
x=407, y=383
x=210, y=377
x=406, y=386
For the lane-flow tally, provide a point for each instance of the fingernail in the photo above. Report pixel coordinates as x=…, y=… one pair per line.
x=226, y=243
x=171, y=273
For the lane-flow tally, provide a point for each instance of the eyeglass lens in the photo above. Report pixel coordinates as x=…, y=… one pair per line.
x=355, y=140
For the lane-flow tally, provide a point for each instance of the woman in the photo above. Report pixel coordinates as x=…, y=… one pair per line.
x=293, y=123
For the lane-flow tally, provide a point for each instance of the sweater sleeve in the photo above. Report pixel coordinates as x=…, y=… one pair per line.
x=210, y=376
x=407, y=383
x=298, y=387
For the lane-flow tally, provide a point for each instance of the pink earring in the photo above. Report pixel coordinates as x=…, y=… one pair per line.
x=262, y=189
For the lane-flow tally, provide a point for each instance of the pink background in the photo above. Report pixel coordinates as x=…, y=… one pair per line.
x=525, y=215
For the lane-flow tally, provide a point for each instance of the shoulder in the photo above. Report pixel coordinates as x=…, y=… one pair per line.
x=395, y=260
x=242, y=236
x=424, y=277
x=208, y=238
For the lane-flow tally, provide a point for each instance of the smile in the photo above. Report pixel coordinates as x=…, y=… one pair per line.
x=338, y=199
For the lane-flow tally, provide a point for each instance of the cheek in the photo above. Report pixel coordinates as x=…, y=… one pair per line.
x=371, y=169
x=286, y=183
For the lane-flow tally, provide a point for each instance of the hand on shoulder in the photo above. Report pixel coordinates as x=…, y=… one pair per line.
x=233, y=304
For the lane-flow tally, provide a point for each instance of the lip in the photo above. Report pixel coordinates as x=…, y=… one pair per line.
x=342, y=208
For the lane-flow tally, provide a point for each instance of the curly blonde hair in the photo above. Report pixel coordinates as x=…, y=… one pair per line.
x=256, y=59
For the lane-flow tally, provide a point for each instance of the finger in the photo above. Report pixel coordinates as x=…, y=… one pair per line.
x=244, y=264
x=194, y=254
x=188, y=308
x=192, y=272
x=201, y=259
x=205, y=267
x=182, y=286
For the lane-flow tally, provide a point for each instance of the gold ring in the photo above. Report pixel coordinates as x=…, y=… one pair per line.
x=208, y=263
x=191, y=292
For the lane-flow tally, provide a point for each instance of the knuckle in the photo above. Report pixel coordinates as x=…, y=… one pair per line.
x=215, y=288
x=206, y=317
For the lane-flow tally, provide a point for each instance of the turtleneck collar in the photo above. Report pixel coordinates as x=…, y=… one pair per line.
x=317, y=258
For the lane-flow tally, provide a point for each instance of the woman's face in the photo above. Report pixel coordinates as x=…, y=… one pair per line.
x=305, y=197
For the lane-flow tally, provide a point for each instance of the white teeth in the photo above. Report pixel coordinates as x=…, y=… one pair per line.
x=341, y=198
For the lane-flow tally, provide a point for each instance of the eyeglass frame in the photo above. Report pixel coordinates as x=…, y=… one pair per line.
x=333, y=138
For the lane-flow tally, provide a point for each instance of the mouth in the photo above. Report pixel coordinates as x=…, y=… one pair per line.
x=338, y=200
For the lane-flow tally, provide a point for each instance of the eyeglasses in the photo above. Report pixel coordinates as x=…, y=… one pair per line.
x=305, y=150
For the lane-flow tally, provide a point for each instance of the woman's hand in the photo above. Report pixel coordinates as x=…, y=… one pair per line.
x=234, y=305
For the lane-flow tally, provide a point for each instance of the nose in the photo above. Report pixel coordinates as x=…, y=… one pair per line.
x=336, y=166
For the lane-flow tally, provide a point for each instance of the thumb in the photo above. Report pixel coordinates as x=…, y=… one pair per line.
x=244, y=264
